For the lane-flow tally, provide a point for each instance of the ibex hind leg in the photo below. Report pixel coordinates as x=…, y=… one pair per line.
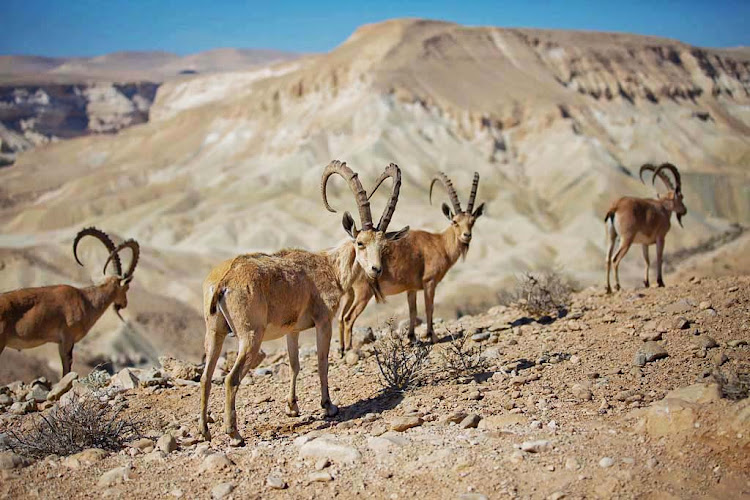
x=213, y=343
x=611, y=242
x=248, y=352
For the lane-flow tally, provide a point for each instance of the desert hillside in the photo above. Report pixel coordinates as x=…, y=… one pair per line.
x=556, y=123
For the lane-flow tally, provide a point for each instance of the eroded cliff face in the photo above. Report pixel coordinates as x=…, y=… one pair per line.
x=31, y=115
x=556, y=124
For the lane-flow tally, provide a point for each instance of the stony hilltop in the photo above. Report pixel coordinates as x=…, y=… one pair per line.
x=555, y=122
x=628, y=396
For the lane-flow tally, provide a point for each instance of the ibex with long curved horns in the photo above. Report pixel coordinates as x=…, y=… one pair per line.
x=417, y=262
x=264, y=297
x=644, y=221
x=64, y=314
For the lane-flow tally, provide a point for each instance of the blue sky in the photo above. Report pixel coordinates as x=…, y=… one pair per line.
x=91, y=27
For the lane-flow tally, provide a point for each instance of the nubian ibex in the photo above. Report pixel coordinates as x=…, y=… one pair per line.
x=417, y=262
x=64, y=314
x=644, y=221
x=264, y=297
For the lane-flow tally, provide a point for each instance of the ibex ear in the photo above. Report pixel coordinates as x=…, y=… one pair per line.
x=126, y=281
x=479, y=211
x=397, y=235
x=349, y=226
x=447, y=211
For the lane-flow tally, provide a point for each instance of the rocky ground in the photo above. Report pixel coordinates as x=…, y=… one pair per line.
x=619, y=398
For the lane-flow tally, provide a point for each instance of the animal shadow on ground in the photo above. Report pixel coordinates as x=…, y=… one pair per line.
x=542, y=320
x=375, y=404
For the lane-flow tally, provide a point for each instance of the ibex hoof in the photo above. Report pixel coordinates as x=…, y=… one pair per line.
x=434, y=339
x=646, y=284
x=235, y=440
x=292, y=411
x=206, y=434
x=661, y=284
x=609, y=291
x=330, y=410
x=617, y=287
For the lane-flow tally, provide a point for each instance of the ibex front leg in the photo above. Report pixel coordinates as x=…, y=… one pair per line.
x=65, y=348
x=292, y=347
x=323, y=338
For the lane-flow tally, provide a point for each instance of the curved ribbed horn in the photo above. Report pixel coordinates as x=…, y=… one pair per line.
x=473, y=195
x=675, y=172
x=448, y=185
x=337, y=167
x=135, y=249
x=661, y=175
x=101, y=236
x=393, y=171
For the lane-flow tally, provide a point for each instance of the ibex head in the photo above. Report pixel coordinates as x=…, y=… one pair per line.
x=121, y=281
x=370, y=240
x=461, y=222
x=672, y=199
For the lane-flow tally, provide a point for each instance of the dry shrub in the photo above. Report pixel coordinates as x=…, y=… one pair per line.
x=96, y=380
x=540, y=293
x=85, y=422
x=402, y=364
x=734, y=383
x=462, y=359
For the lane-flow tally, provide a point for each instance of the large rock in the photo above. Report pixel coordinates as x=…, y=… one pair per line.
x=63, y=386
x=669, y=416
x=328, y=447
x=180, y=369
x=167, y=443
x=125, y=379
x=86, y=457
x=696, y=393
x=215, y=462
x=401, y=424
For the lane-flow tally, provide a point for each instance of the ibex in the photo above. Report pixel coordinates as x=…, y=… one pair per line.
x=63, y=314
x=264, y=297
x=644, y=221
x=417, y=262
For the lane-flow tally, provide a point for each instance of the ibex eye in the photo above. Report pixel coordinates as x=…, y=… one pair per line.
x=360, y=244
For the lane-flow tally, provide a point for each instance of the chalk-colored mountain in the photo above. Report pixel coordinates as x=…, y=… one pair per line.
x=556, y=123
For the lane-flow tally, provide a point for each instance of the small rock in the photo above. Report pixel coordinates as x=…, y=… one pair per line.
x=480, y=337
x=143, y=444
x=319, y=477
x=606, y=462
x=681, y=323
x=323, y=463
x=215, y=462
x=470, y=422
x=22, y=407
x=9, y=460
x=63, y=386
x=456, y=417
x=719, y=359
x=704, y=305
x=263, y=372
x=706, y=342
x=497, y=422
x=736, y=343
x=37, y=394
x=351, y=358
x=472, y=496
x=648, y=352
x=536, y=446
x=167, y=443
x=572, y=463
x=262, y=399
x=115, y=476
x=5, y=400
x=221, y=490
x=582, y=392
x=403, y=423
x=276, y=482
x=327, y=447
x=650, y=336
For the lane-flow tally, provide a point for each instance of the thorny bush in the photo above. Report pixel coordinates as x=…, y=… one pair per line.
x=540, y=293
x=463, y=359
x=402, y=364
x=84, y=422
